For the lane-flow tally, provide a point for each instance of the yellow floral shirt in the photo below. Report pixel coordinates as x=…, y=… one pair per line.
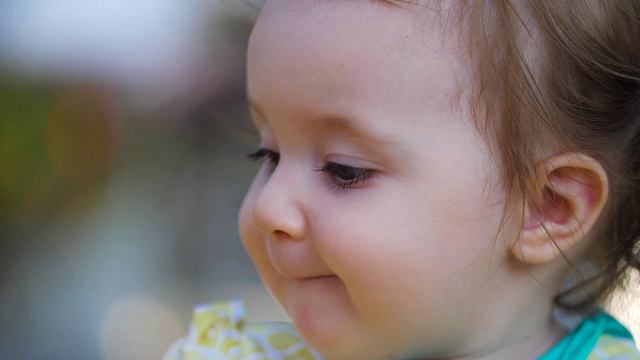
x=219, y=332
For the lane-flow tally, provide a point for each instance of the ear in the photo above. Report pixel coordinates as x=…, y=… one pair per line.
x=573, y=189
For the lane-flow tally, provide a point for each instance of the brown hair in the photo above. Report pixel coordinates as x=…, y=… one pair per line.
x=558, y=76
x=565, y=76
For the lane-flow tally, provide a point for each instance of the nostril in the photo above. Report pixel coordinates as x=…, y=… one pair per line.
x=284, y=235
x=281, y=222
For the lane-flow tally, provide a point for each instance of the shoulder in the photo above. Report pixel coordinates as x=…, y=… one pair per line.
x=611, y=347
x=597, y=337
x=219, y=331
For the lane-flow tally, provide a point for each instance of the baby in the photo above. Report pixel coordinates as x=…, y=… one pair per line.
x=440, y=180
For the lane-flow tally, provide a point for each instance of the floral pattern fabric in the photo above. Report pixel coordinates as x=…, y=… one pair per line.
x=219, y=332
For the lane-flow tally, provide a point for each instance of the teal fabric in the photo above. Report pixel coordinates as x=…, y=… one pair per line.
x=579, y=343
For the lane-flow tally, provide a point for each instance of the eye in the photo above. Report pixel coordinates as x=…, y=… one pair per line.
x=347, y=177
x=266, y=155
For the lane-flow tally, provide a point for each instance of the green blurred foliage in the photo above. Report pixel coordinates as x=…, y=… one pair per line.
x=57, y=146
x=27, y=176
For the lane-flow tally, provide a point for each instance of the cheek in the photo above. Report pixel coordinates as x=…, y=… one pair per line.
x=410, y=246
x=367, y=247
x=249, y=234
x=245, y=222
x=251, y=238
x=255, y=243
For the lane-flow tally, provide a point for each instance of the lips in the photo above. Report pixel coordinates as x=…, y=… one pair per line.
x=293, y=272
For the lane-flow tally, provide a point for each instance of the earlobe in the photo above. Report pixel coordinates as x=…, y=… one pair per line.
x=573, y=189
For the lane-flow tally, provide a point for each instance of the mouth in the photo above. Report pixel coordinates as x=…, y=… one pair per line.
x=325, y=284
x=298, y=273
x=311, y=278
x=323, y=277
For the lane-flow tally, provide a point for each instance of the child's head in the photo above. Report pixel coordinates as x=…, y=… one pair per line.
x=427, y=178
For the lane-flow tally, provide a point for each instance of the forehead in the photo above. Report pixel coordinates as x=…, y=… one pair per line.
x=386, y=29
x=337, y=53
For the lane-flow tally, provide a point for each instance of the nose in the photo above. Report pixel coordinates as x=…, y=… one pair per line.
x=278, y=211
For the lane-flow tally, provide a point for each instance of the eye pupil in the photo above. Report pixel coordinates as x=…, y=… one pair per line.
x=345, y=173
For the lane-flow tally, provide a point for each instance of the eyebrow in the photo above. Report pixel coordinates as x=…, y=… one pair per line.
x=347, y=125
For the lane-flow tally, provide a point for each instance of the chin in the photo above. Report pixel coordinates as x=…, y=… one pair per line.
x=323, y=317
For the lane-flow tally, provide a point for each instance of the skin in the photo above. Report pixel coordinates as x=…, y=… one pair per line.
x=412, y=261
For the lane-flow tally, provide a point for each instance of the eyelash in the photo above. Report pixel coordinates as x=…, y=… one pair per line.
x=345, y=177
x=265, y=155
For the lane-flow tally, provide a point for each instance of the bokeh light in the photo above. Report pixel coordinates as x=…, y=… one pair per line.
x=83, y=134
x=137, y=328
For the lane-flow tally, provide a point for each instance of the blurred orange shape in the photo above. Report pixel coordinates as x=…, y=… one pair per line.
x=82, y=134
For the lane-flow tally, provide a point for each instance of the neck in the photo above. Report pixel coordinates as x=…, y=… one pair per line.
x=518, y=323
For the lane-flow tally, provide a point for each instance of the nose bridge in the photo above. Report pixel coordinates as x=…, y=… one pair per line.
x=278, y=207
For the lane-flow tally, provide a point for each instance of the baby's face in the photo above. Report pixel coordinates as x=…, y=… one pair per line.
x=375, y=217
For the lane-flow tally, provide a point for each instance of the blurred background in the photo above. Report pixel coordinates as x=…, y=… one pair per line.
x=123, y=134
